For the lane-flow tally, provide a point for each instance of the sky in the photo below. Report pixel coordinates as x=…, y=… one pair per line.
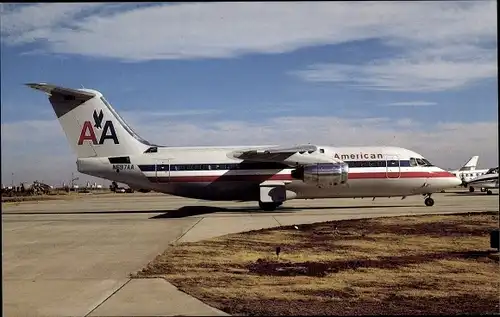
x=420, y=75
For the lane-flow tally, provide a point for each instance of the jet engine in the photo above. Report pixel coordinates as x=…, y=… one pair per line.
x=323, y=174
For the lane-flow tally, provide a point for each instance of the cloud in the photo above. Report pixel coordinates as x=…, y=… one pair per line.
x=23, y=25
x=438, y=45
x=39, y=149
x=453, y=56
x=35, y=150
x=174, y=113
x=421, y=74
x=411, y=104
x=221, y=30
x=181, y=114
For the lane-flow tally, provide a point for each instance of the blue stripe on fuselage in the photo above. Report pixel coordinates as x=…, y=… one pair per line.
x=257, y=166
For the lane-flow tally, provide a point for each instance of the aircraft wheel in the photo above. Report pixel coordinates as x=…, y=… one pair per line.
x=471, y=189
x=429, y=201
x=268, y=206
x=489, y=192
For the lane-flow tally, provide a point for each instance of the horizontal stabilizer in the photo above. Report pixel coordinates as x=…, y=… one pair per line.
x=53, y=90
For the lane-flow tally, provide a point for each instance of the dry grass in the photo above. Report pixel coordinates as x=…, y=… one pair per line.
x=402, y=265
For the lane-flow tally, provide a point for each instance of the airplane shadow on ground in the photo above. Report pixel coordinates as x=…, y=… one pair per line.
x=189, y=211
x=478, y=193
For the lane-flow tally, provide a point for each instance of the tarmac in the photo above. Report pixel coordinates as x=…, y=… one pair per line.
x=74, y=257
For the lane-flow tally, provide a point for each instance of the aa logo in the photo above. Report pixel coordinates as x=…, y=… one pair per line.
x=88, y=132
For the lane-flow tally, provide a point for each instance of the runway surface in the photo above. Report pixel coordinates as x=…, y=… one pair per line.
x=73, y=258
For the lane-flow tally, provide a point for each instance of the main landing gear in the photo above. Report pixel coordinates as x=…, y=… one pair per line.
x=429, y=201
x=488, y=192
x=269, y=206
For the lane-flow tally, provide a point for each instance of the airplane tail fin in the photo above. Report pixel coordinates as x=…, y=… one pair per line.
x=471, y=164
x=92, y=126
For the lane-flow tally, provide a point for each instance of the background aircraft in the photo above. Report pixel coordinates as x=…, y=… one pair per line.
x=487, y=181
x=468, y=172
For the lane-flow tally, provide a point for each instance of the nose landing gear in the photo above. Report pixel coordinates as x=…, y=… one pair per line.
x=269, y=206
x=429, y=201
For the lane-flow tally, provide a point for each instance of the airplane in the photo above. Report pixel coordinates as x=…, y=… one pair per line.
x=468, y=171
x=107, y=147
x=488, y=181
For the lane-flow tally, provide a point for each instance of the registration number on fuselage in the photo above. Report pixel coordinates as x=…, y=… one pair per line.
x=123, y=167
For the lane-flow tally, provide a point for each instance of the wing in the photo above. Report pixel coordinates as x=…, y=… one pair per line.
x=293, y=156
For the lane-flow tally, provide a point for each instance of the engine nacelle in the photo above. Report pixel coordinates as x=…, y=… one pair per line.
x=323, y=174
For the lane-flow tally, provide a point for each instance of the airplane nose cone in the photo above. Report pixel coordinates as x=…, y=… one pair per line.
x=451, y=180
x=455, y=181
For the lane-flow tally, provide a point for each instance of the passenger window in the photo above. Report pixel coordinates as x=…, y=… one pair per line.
x=321, y=150
x=393, y=163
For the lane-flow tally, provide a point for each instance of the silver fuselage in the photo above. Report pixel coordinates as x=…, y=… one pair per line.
x=209, y=173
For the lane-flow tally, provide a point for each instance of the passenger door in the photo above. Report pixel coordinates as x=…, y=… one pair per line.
x=393, y=168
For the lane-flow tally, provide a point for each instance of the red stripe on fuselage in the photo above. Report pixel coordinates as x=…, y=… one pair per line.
x=282, y=177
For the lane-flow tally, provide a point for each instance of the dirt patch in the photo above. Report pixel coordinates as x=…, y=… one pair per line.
x=393, y=305
x=266, y=267
x=403, y=265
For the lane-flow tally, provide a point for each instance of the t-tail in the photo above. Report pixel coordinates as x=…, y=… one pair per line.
x=471, y=164
x=92, y=126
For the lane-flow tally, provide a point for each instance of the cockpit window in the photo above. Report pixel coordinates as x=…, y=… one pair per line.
x=492, y=171
x=420, y=162
x=427, y=163
x=413, y=162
